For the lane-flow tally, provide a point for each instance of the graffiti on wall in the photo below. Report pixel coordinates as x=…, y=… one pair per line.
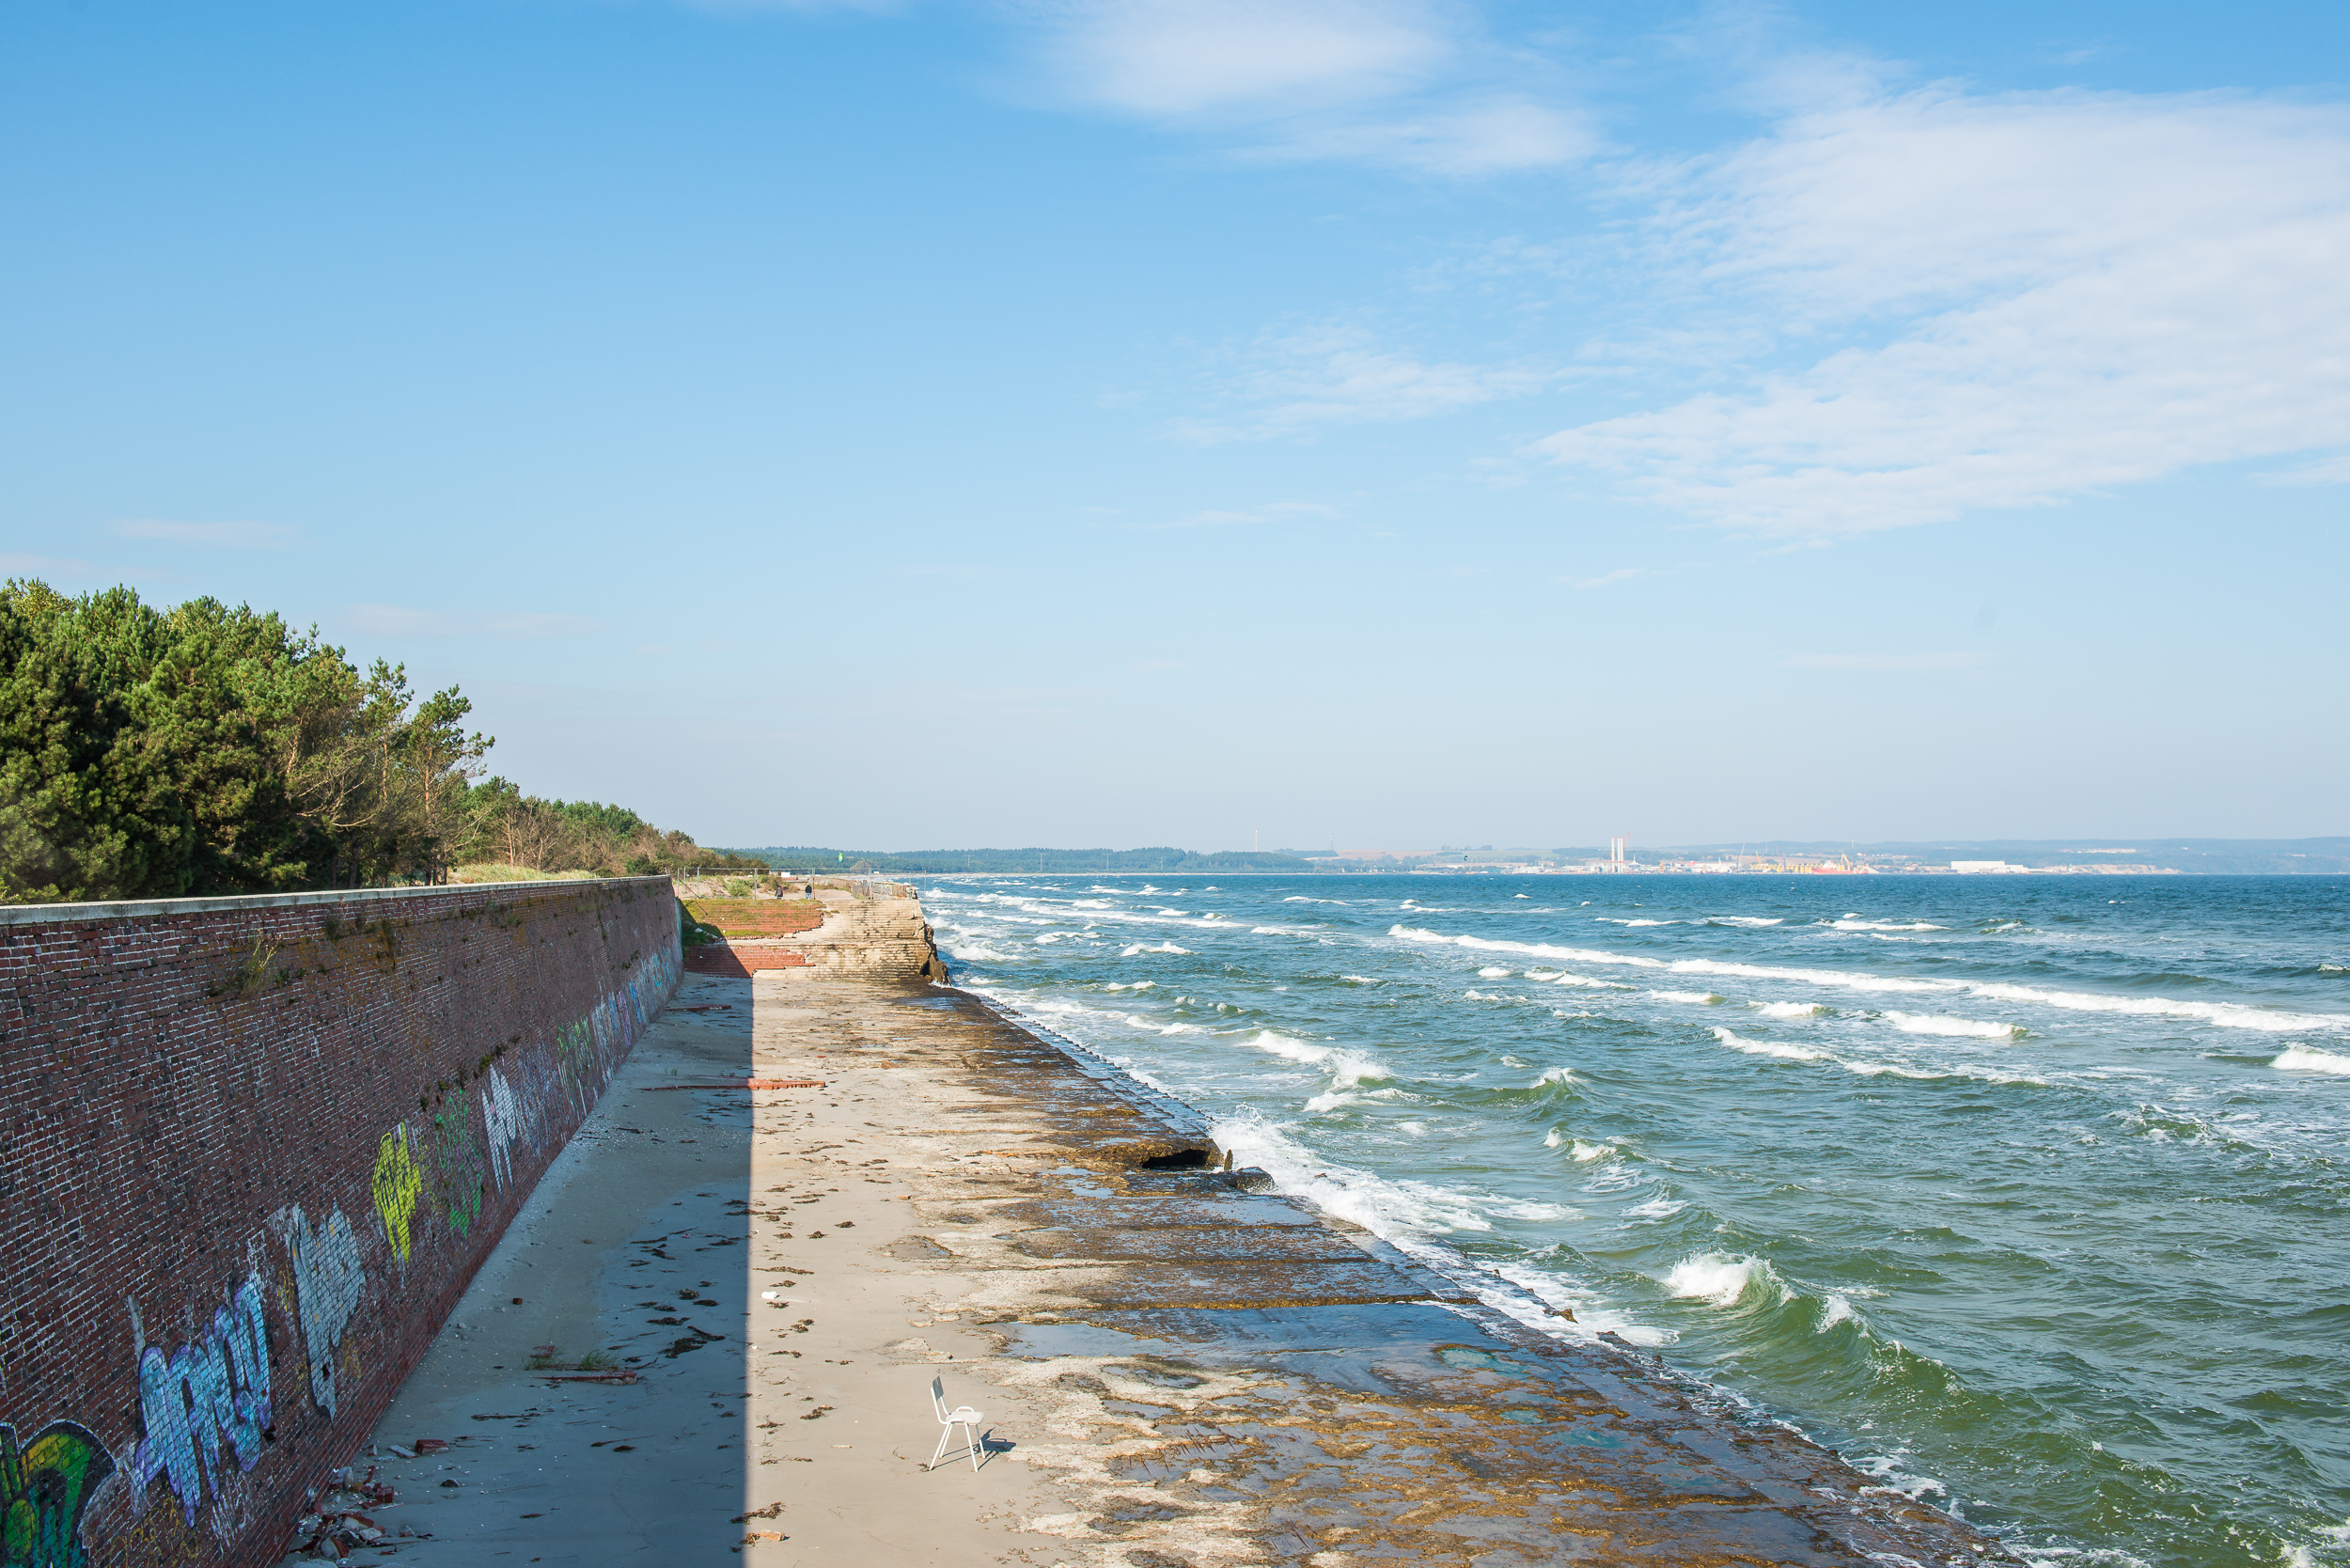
x=457, y=1167
x=328, y=1278
x=44, y=1486
x=205, y=1403
x=397, y=1185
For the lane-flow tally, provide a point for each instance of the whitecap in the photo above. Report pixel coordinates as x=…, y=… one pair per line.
x=1586, y=1152
x=1769, y=1048
x=1718, y=1279
x=1489, y=972
x=1551, y=1139
x=1835, y=1309
x=2301, y=1059
x=1848, y=923
x=1785, y=1010
x=1359, y=980
x=1741, y=920
x=1657, y=1208
x=1928, y=1023
x=1694, y=998
x=1614, y=921
x=2225, y=1014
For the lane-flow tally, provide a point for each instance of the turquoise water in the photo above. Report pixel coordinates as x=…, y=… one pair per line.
x=2031, y=1195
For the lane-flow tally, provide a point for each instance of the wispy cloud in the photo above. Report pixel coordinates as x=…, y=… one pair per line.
x=19, y=563
x=401, y=621
x=2016, y=300
x=1292, y=383
x=1621, y=575
x=1269, y=511
x=1885, y=661
x=1405, y=83
x=209, y=535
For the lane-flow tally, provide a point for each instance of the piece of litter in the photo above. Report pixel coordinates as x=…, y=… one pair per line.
x=404, y=1453
x=771, y=1295
x=430, y=1445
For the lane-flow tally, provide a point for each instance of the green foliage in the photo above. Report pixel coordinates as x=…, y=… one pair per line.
x=155, y=753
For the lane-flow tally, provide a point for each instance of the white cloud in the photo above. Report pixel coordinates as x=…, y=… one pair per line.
x=1270, y=512
x=1407, y=83
x=1341, y=375
x=2026, y=298
x=401, y=621
x=209, y=535
x=1168, y=58
x=1885, y=661
x=19, y=563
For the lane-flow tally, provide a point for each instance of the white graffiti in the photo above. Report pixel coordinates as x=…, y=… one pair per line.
x=328, y=1280
x=505, y=1124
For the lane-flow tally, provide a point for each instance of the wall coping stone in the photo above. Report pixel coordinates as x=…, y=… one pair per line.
x=128, y=909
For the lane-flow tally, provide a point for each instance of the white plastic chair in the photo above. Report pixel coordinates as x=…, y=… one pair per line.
x=961, y=1416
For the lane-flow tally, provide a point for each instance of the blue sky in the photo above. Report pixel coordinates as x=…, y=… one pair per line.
x=1126, y=421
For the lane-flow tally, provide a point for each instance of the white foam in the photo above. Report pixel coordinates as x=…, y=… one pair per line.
x=1613, y=920
x=1657, y=1208
x=1093, y=904
x=1586, y=1152
x=1848, y=923
x=1741, y=920
x=2301, y=1059
x=1785, y=1010
x=1143, y=986
x=1551, y=1139
x=1346, y=1068
x=1489, y=972
x=1358, y=979
x=1770, y=1048
x=1718, y=1279
x=1931, y=1023
x=1834, y=1311
x=2225, y=1014
x=1694, y=998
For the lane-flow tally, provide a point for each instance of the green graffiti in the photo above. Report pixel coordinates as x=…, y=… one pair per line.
x=457, y=1163
x=43, y=1488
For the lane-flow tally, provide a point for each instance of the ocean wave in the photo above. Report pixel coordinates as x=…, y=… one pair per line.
x=1615, y=920
x=1833, y=1311
x=2223, y=1014
x=1931, y=1022
x=1161, y=947
x=1748, y=920
x=1657, y=1208
x=2301, y=1059
x=976, y=952
x=1360, y=979
x=1720, y=1279
x=1770, y=1047
x=1346, y=1068
x=1848, y=923
x=1584, y=1154
x=1489, y=972
x=1785, y=1010
x=1556, y=1076
x=1694, y=998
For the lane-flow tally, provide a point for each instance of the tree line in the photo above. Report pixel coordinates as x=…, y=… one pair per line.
x=198, y=749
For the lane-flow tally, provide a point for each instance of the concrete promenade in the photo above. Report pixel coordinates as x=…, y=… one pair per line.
x=1176, y=1370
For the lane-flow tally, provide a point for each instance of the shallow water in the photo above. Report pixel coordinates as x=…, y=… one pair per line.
x=2031, y=1195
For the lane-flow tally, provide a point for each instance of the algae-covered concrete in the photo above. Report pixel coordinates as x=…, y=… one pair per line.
x=1176, y=1368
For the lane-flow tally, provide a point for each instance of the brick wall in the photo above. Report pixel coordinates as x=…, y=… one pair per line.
x=254, y=1150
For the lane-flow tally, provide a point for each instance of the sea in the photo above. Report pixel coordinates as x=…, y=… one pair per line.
x=2028, y=1194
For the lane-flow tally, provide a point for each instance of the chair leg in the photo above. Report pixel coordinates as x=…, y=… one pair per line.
x=972, y=1433
x=944, y=1433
